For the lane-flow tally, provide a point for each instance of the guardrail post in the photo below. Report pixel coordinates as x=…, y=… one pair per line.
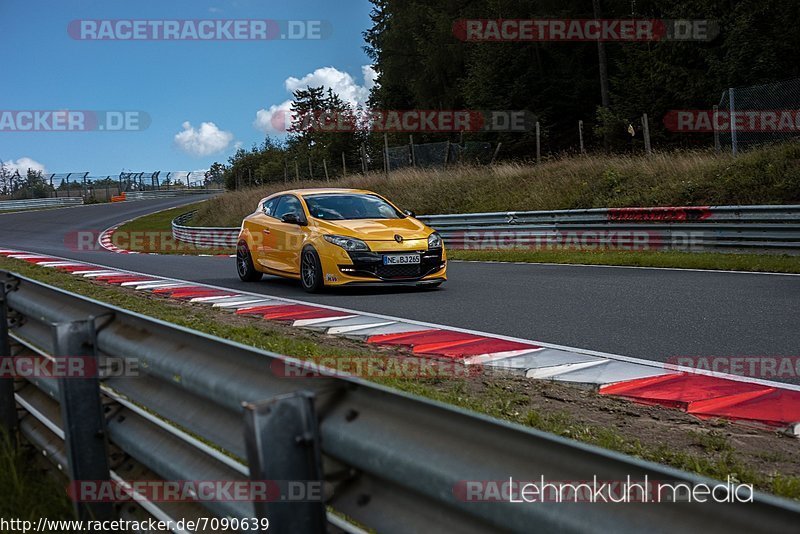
x=8, y=406
x=282, y=439
x=82, y=414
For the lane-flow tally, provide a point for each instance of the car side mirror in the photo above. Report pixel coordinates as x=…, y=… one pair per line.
x=410, y=213
x=292, y=218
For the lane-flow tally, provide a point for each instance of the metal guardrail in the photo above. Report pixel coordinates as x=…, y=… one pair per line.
x=150, y=195
x=8, y=205
x=207, y=409
x=211, y=237
x=747, y=228
x=715, y=228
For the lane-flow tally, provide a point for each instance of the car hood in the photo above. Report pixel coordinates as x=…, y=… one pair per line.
x=377, y=229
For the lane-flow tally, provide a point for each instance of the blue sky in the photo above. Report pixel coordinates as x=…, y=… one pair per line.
x=180, y=84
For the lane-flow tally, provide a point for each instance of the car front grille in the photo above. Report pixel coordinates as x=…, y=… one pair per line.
x=397, y=271
x=370, y=265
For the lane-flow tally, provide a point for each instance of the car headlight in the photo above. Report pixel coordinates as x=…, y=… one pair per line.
x=347, y=243
x=434, y=240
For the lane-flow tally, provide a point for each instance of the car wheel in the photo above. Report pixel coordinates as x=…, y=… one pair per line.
x=244, y=264
x=311, y=271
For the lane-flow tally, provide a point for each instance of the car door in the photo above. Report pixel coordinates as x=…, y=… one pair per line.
x=288, y=238
x=266, y=246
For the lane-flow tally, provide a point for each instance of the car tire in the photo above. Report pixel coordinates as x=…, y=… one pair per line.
x=244, y=264
x=311, y=271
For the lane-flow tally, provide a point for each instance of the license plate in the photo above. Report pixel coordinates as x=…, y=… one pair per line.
x=401, y=259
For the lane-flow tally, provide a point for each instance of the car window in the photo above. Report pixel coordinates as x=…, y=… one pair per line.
x=288, y=204
x=333, y=207
x=270, y=205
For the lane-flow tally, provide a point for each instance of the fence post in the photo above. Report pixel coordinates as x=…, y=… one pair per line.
x=580, y=136
x=282, y=440
x=734, y=133
x=496, y=151
x=325, y=166
x=538, y=143
x=310, y=168
x=386, y=153
x=413, y=156
x=715, y=121
x=8, y=406
x=646, y=131
x=364, y=165
x=344, y=166
x=68, y=191
x=296, y=171
x=82, y=412
x=447, y=154
x=55, y=191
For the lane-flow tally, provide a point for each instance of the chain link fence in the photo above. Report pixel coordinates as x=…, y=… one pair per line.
x=429, y=155
x=749, y=116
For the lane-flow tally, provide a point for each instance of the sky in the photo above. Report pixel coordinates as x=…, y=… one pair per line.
x=202, y=98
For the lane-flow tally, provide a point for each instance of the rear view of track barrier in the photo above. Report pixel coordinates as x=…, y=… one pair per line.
x=201, y=408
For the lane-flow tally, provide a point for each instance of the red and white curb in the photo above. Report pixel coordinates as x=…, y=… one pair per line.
x=106, y=240
x=704, y=394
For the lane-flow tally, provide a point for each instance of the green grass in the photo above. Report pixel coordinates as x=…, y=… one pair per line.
x=668, y=259
x=768, y=175
x=153, y=233
x=27, y=490
x=491, y=396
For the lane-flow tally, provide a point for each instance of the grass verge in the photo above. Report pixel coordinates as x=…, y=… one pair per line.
x=768, y=175
x=668, y=259
x=27, y=490
x=768, y=460
x=153, y=233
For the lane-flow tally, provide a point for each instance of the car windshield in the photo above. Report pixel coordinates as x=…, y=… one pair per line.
x=337, y=207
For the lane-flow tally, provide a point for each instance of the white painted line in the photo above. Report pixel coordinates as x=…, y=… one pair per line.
x=95, y=274
x=549, y=372
x=310, y=322
x=249, y=303
x=350, y=329
x=481, y=359
x=624, y=267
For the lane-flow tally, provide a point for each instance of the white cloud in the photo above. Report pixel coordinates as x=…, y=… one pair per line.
x=274, y=118
x=22, y=165
x=203, y=141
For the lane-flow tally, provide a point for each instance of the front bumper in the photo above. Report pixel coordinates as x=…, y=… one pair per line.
x=369, y=266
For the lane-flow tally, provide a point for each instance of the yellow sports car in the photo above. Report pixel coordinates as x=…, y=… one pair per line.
x=335, y=237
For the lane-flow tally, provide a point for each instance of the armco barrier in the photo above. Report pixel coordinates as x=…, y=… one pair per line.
x=203, y=237
x=132, y=196
x=753, y=229
x=8, y=205
x=712, y=228
x=205, y=409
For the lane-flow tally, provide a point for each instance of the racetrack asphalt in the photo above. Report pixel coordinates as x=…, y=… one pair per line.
x=653, y=314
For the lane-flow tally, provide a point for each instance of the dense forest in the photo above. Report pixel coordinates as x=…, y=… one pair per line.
x=422, y=64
